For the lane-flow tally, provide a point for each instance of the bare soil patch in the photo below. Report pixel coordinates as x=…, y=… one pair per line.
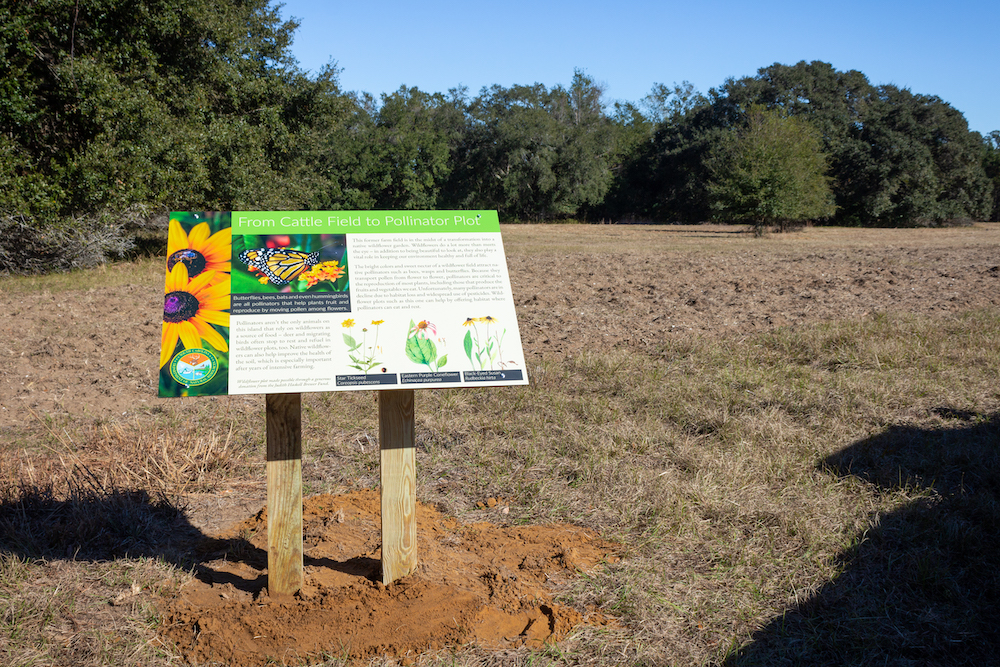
x=89, y=356
x=476, y=584
x=637, y=286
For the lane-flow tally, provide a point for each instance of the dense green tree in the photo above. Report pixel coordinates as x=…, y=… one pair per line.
x=632, y=132
x=415, y=134
x=394, y=153
x=347, y=162
x=509, y=152
x=770, y=171
x=915, y=162
x=534, y=153
x=587, y=150
x=896, y=158
x=832, y=101
x=659, y=173
x=115, y=103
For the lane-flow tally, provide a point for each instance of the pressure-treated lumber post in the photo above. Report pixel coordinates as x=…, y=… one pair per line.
x=399, y=484
x=284, y=495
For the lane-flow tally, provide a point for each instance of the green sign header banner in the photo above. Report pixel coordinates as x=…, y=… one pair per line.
x=363, y=222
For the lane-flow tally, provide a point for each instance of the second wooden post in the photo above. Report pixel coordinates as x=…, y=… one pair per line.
x=399, y=485
x=284, y=494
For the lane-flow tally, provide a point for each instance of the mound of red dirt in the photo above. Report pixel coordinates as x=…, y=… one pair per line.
x=478, y=583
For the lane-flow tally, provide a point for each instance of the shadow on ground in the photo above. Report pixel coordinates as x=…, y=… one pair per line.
x=92, y=523
x=89, y=522
x=922, y=584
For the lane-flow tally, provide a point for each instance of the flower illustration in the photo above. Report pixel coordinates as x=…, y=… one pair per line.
x=420, y=348
x=484, y=351
x=199, y=250
x=278, y=241
x=191, y=307
x=423, y=326
x=362, y=354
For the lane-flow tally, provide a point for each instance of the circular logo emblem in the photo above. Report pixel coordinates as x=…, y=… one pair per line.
x=194, y=367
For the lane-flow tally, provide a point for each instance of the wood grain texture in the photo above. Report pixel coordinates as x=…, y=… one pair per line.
x=399, y=484
x=284, y=494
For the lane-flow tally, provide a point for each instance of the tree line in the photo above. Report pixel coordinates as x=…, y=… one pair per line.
x=114, y=110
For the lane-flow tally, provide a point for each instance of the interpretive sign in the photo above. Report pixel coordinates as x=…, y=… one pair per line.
x=264, y=302
x=284, y=302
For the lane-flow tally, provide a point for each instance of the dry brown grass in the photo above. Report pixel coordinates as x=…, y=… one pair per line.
x=823, y=494
x=128, y=455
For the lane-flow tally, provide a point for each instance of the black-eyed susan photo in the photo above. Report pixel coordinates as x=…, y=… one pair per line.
x=196, y=302
x=298, y=263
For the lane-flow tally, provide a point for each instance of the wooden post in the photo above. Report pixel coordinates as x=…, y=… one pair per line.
x=399, y=484
x=284, y=495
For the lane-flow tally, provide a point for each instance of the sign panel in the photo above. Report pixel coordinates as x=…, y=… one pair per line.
x=297, y=301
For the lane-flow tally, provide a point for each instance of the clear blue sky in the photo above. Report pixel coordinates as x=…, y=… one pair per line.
x=934, y=48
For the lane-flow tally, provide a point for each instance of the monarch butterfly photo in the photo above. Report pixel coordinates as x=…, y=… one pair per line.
x=280, y=265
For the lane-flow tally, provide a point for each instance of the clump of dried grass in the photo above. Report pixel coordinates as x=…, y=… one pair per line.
x=74, y=515
x=167, y=461
x=130, y=455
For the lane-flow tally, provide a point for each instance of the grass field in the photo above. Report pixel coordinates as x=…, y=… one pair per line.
x=820, y=494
